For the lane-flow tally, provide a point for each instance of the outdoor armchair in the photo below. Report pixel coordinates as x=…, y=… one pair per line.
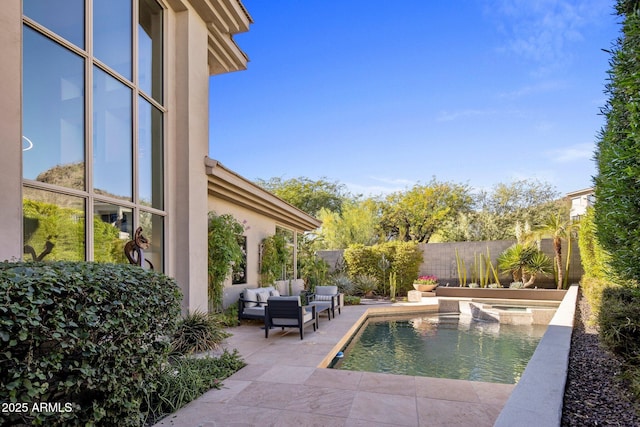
x=327, y=295
x=288, y=312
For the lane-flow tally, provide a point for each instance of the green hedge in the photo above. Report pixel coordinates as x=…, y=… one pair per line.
x=617, y=213
x=87, y=336
x=404, y=258
x=619, y=320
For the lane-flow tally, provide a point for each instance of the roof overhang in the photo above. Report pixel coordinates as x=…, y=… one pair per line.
x=224, y=18
x=578, y=193
x=228, y=185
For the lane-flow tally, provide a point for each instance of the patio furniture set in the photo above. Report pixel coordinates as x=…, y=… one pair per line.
x=287, y=311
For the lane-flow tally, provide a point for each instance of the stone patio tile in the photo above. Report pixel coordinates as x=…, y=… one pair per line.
x=492, y=393
x=298, y=419
x=386, y=383
x=320, y=400
x=220, y=415
x=442, y=388
x=350, y=422
x=250, y=372
x=267, y=395
x=230, y=388
x=385, y=408
x=334, y=378
x=286, y=374
x=449, y=413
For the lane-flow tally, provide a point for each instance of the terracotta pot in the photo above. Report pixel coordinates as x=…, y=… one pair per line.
x=423, y=288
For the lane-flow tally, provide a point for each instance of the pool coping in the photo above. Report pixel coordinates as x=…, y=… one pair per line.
x=538, y=397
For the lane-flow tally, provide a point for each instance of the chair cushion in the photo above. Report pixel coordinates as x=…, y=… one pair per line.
x=280, y=321
x=274, y=293
x=324, y=297
x=326, y=290
x=262, y=297
x=251, y=298
x=255, y=311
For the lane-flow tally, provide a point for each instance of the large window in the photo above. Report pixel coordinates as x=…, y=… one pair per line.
x=101, y=159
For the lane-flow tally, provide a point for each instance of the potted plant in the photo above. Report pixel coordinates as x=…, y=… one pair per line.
x=425, y=283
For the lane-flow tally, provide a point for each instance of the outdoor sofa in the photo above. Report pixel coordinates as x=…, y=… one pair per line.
x=253, y=301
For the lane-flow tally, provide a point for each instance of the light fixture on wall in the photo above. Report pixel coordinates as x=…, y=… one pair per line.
x=30, y=146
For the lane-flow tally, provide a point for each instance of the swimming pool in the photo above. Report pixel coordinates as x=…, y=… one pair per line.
x=443, y=346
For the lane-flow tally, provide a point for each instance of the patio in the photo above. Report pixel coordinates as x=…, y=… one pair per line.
x=283, y=386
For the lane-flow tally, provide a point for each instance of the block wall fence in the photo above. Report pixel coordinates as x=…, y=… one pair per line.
x=439, y=259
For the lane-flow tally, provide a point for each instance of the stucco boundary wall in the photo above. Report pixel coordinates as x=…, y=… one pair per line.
x=439, y=259
x=538, y=397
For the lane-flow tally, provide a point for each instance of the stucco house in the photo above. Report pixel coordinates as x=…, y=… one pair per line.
x=104, y=128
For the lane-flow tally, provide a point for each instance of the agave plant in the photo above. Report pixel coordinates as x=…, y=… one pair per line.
x=197, y=332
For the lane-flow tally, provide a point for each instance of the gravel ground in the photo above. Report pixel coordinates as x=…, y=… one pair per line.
x=593, y=394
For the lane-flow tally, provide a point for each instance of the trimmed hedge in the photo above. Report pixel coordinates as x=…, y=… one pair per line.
x=87, y=336
x=617, y=206
x=619, y=320
x=404, y=258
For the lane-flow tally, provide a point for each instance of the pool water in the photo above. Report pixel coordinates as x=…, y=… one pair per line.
x=442, y=346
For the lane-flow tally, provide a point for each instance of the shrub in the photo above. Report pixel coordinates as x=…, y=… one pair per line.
x=185, y=379
x=619, y=320
x=594, y=261
x=366, y=285
x=404, y=258
x=362, y=260
x=88, y=334
x=344, y=284
x=224, y=249
x=198, y=332
x=351, y=300
x=617, y=210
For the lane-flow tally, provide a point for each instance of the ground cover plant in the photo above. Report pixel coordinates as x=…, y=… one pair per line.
x=186, y=379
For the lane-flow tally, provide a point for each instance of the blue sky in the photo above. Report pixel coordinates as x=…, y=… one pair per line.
x=379, y=95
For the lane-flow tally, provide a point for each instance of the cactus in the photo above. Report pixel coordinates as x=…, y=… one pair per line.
x=392, y=286
x=462, y=270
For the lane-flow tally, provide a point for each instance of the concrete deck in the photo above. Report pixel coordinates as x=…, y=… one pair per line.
x=282, y=385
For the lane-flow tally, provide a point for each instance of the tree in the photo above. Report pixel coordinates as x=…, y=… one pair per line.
x=559, y=227
x=617, y=206
x=356, y=223
x=497, y=211
x=308, y=195
x=415, y=215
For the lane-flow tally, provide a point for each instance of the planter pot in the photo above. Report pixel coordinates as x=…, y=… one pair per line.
x=423, y=288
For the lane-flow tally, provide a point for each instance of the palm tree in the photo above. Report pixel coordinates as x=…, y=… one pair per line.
x=558, y=228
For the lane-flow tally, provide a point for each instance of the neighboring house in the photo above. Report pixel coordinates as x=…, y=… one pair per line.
x=580, y=201
x=104, y=128
x=262, y=215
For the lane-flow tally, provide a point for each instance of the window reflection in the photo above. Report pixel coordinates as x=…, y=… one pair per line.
x=53, y=112
x=153, y=229
x=112, y=229
x=53, y=222
x=112, y=137
x=150, y=48
x=112, y=34
x=63, y=17
x=150, y=169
